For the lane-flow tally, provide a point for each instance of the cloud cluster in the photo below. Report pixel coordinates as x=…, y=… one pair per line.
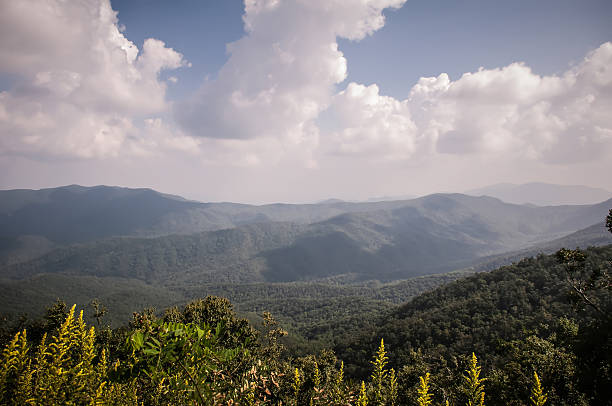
x=86, y=91
x=282, y=74
x=365, y=123
x=82, y=85
x=508, y=111
x=514, y=111
x=279, y=86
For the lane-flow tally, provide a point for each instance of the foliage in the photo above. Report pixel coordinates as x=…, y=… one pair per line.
x=379, y=375
x=423, y=391
x=185, y=362
x=538, y=397
x=67, y=369
x=517, y=318
x=165, y=361
x=363, y=397
x=473, y=385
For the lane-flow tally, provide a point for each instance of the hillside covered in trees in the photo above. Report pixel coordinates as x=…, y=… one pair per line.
x=128, y=248
x=518, y=320
x=308, y=293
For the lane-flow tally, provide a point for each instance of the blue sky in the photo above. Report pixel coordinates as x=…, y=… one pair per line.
x=422, y=38
x=310, y=99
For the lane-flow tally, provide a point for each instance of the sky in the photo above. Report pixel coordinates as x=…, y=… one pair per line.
x=302, y=100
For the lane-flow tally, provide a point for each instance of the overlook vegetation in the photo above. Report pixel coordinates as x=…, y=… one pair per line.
x=534, y=340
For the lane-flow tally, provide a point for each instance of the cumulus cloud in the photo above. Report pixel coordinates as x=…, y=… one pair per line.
x=514, y=111
x=82, y=85
x=508, y=111
x=279, y=86
x=367, y=123
x=282, y=73
x=85, y=90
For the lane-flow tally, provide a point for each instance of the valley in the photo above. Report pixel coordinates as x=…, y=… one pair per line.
x=435, y=276
x=336, y=258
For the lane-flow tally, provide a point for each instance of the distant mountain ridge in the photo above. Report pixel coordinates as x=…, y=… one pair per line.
x=66, y=214
x=543, y=194
x=34, y=221
x=393, y=240
x=136, y=247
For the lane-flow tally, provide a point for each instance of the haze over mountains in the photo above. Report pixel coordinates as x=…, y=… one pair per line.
x=278, y=242
x=103, y=237
x=543, y=194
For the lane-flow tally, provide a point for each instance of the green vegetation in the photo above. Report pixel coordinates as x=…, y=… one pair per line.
x=311, y=314
x=202, y=355
x=549, y=314
x=538, y=342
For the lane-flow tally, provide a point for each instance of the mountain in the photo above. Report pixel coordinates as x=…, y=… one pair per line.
x=32, y=222
x=391, y=198
x=77, y=214
x=526, y=296
x=433, y=234
x=593, y=236
x=543, y=194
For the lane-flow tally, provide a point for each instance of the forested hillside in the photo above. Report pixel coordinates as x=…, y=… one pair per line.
x=335, y=275
x=533, y=342
x=529, y=310
x=434, y=234
x=33, y=222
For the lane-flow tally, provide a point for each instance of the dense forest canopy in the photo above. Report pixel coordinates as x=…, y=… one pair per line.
x=532, y=332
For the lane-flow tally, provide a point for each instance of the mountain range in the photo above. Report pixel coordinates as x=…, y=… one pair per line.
x=141, y=246
x=105, y=231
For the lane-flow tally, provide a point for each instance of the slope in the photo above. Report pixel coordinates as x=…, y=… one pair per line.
x=433, y=234
x=475, y=313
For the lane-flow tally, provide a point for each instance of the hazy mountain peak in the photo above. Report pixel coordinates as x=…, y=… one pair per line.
x=543, y=194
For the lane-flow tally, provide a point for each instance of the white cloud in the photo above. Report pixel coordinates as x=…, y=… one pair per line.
x=366, y=123
x=279, y=84
x=82, y=85
x=86, y=91
x=281, y=75
x=513, y=111
x=510, y=112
